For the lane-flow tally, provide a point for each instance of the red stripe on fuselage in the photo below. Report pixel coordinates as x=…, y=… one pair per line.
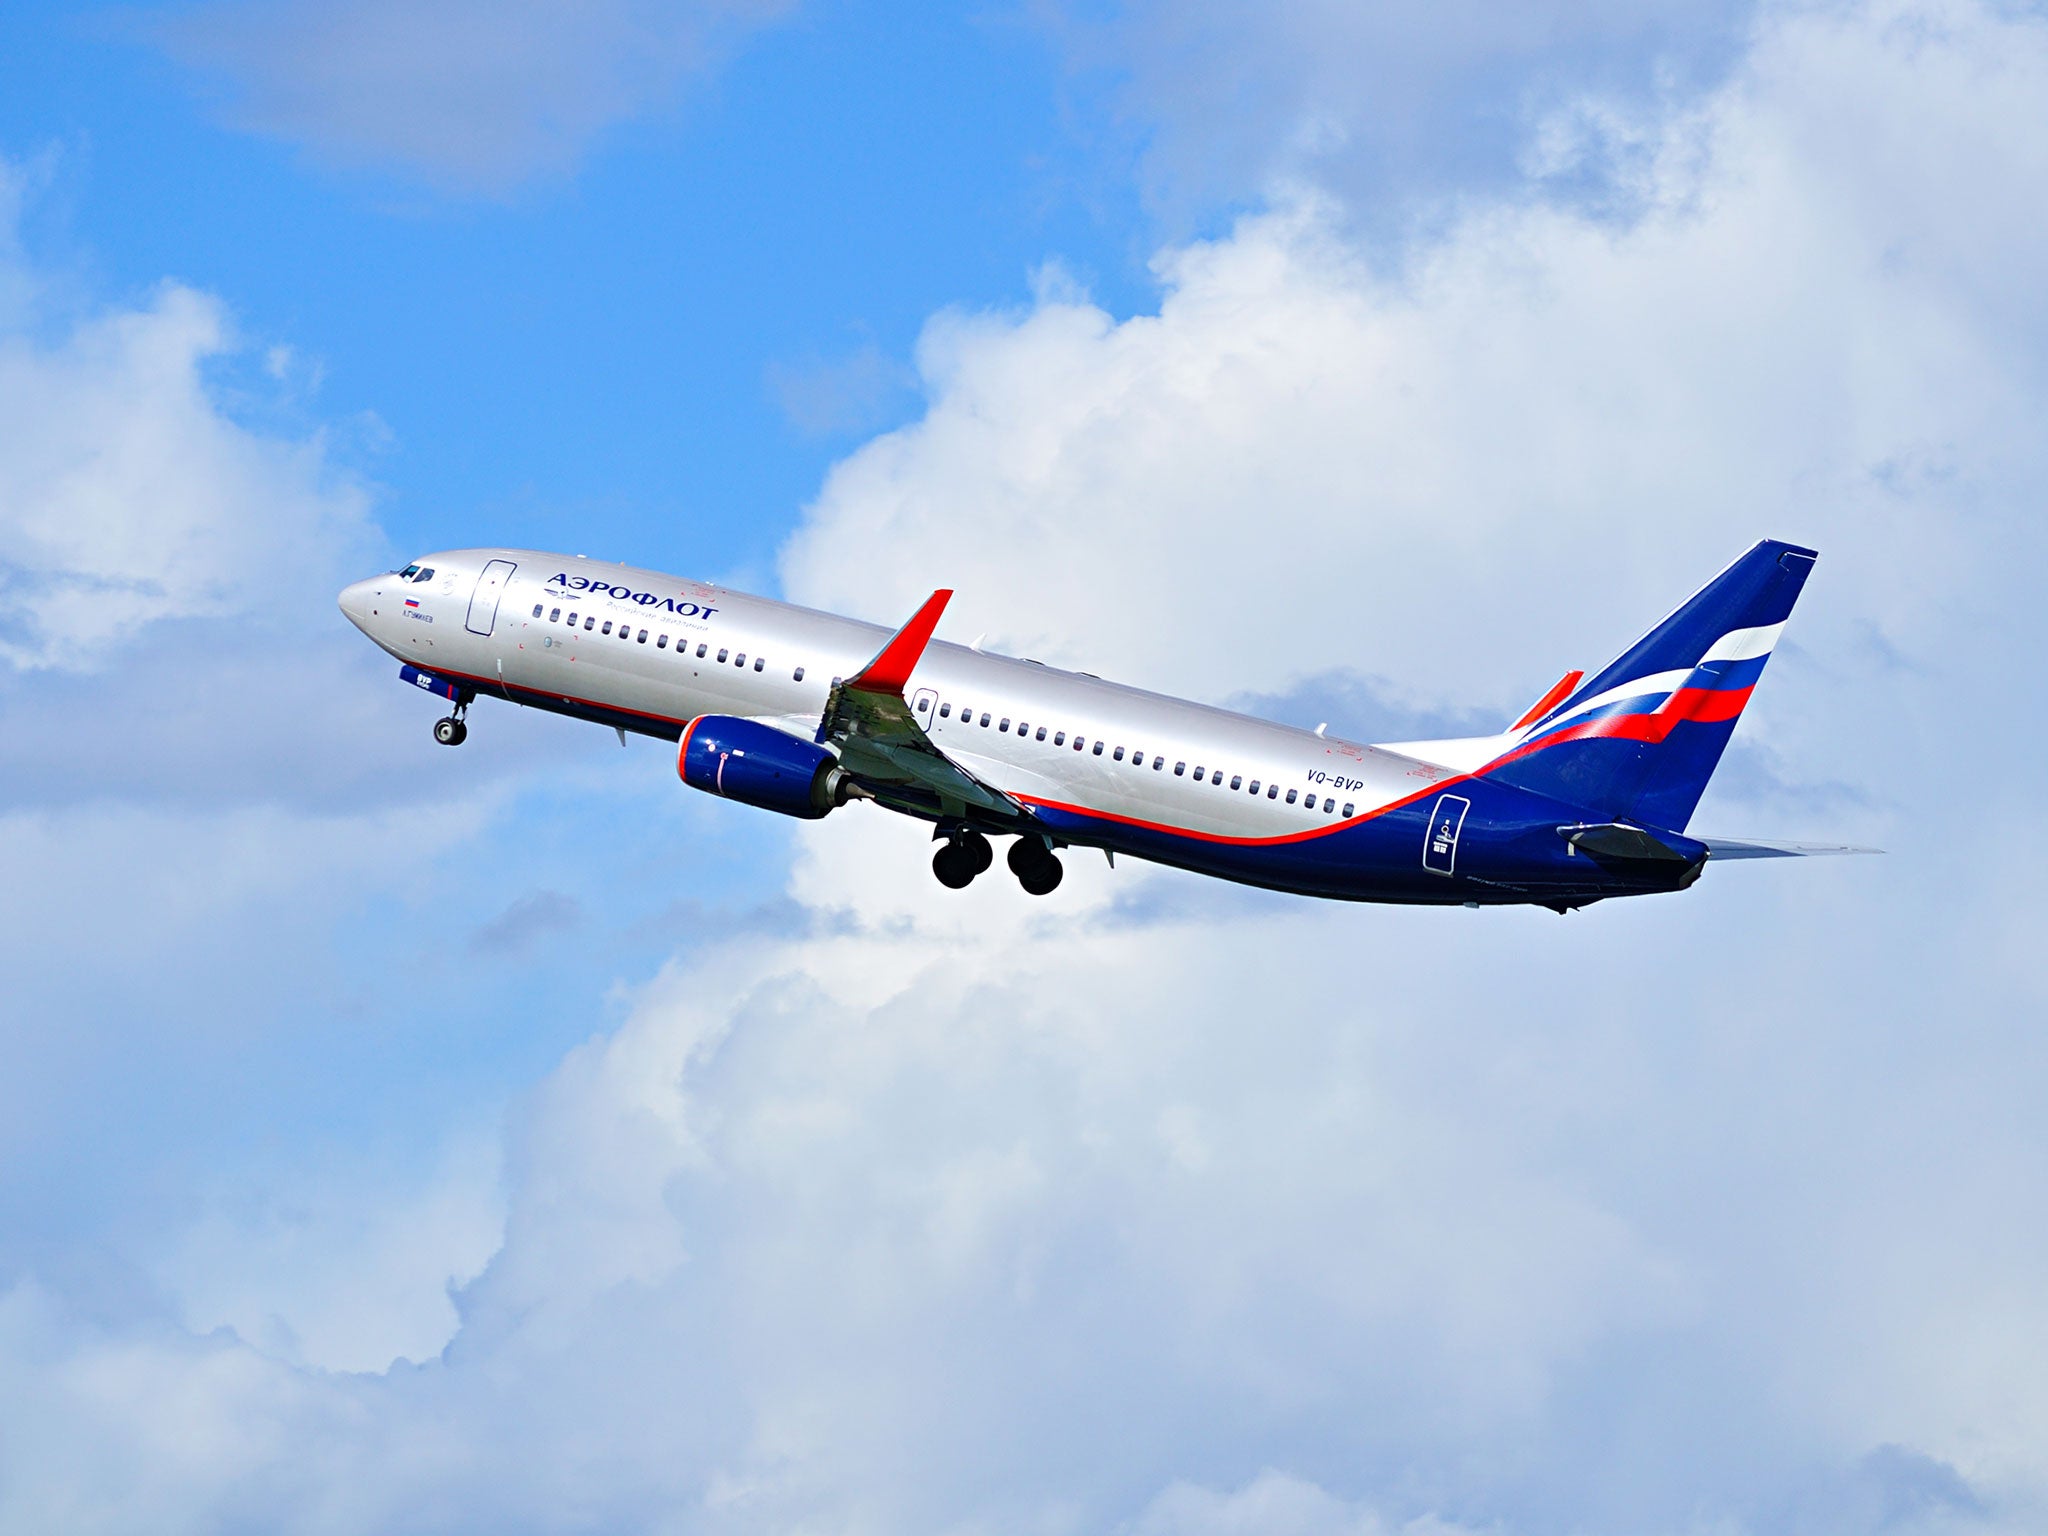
x=1245, y=842
x=1061, y=805
x=550, y=693
x=1302, y=836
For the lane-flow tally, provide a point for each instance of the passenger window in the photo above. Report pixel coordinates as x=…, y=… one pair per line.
x=799, y=674
x=1005, y=725
x=1347, y=808
x=722, y=654
x=1119, y=754
x=1080, y=742
x=607, y=626
x=1236, y=781
x=1158, y=762
x=1198, y=774
x=1059, y=738
x=1098, y=749
x=1272, y=791
x=701, y=650
x=1179, y=769
x=984, y=719
x=1329, y=804
x=760, y=662
x=555, y=616
x=1255, y=786
x=641, y=638
x=1041, y=733
x=1022, y=728
x=1291, y=794
x=740, y=660
x=590, y=621
x=536, y=610
x=661, y=642
x=945, y=711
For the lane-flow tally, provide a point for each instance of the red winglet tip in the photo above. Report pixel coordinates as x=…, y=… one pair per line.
x=892, y=667
x=1550, y=700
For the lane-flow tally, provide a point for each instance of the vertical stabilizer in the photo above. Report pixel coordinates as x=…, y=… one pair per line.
x=1640, y=739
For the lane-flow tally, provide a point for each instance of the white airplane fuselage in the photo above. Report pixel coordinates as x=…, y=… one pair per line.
x=1073, y=760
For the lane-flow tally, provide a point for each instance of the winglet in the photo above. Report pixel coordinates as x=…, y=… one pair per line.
x=1550, y=700
x=894, y=663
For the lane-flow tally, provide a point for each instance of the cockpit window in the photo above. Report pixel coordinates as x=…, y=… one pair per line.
x=408, y=573
x=426, y=573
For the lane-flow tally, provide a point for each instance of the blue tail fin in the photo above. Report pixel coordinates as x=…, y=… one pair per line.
x=1640, y=738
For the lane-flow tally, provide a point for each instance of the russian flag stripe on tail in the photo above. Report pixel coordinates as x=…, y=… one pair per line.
x=1640, y=739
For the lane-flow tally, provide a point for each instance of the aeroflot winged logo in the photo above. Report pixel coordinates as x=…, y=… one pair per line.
x=681, y=605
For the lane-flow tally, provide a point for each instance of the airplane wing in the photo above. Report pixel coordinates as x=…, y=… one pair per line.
x=1744, y=848
x=879, y=740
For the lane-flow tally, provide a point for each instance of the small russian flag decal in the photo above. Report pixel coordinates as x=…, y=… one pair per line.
x=412, y=602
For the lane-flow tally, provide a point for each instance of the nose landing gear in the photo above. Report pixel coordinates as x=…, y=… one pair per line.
x=450, y=730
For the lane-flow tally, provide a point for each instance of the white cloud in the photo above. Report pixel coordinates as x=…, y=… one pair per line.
x=1271, y=1504
x=1552, y=428
x=476, y=94
x=1391, y=105
x=128, y=496
x=351, y=1274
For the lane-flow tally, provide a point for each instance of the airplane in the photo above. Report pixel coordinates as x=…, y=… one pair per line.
x=1585, y=797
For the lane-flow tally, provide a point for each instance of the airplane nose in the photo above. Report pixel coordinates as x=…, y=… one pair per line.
x=355, y=601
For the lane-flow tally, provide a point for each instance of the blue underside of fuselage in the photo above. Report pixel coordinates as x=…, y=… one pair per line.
x=1500, y=858
x=1508, y=849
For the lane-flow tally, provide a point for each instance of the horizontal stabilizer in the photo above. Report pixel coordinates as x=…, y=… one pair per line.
x=1747, y=848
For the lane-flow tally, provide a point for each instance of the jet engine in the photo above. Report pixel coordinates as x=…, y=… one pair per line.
x=756, y=764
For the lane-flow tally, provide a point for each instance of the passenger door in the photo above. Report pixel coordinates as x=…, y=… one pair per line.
x=483, y=603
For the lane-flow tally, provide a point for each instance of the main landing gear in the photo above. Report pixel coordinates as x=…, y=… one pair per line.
x=1035, y=865
x=966, y=853
x=450, y=730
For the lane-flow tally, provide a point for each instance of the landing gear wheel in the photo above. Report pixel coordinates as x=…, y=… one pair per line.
x=954, y=866
x=1036, y=867
x=1043, y=879
x=450, y=732
x=966, y=853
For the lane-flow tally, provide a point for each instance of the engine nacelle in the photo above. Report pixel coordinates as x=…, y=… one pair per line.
x=756, y=764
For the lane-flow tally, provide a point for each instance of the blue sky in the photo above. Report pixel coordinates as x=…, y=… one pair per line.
x=507, y=1139
x=601, y=340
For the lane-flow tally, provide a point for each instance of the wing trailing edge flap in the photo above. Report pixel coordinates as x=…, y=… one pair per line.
x=880, y=742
